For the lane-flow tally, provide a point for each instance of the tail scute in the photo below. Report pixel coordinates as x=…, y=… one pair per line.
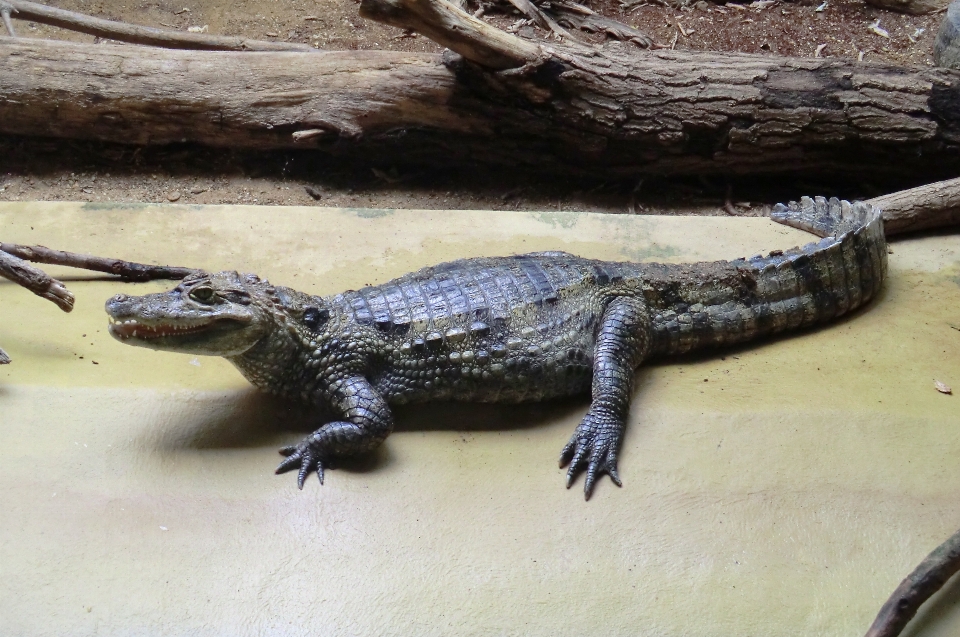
x=826, y=217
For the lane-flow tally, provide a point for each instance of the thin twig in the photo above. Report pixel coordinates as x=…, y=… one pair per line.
x=728, y=202
x=542, y=19
x=135, y=34
x=5, y=11
x=925, y=580
x=601, y=24
x=448, y=26
x=126, y=270
x=35, y=280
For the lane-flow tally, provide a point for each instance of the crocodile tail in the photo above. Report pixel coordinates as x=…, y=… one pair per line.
x=828, y=278
x=745, y=299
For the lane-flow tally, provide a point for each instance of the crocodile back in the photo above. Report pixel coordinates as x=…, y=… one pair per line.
x=500, y=329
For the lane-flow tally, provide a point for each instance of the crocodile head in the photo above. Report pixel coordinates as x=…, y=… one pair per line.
x=222, y=314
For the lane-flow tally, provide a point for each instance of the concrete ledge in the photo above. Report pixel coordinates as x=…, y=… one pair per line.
x=779, y=489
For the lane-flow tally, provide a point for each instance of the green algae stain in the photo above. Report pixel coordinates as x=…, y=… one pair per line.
x=633, y=235
x=370, y=213
x=558, y=219
x=99, y=206
x=953, y=274
x=650, y=251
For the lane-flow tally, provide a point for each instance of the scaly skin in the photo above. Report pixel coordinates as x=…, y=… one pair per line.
x=505, y=329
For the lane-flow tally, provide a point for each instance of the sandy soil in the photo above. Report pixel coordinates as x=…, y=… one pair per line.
x=57, y=170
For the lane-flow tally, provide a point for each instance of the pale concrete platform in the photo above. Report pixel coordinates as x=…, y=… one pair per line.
x=781, y=489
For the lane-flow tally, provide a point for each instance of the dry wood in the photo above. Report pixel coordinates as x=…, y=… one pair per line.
x=615, y=112
x=5, y=11
x=124, y=32
x=126, y=270
x=541, y=18
x=935, y=205
x=454, y=28
x=35, y=280
x=925, y=580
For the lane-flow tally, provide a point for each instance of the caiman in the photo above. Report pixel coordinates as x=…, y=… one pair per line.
x=506, y=329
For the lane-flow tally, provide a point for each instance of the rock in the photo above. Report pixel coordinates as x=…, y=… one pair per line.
x=946, y=48
x=173, y=196
x=915, y=7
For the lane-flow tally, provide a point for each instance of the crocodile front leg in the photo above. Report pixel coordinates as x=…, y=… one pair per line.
x=367, y=420
x=623, y=341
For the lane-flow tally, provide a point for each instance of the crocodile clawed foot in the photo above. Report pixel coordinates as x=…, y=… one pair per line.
x=302, y=457
x=593, y=447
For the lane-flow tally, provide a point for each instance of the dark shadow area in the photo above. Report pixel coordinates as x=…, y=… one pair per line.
x=452, y=186
x=950, y=231
x=455, y=416
x=250, y=418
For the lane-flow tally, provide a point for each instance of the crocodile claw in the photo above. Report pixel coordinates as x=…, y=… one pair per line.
x=593, y=447
x=301, y=457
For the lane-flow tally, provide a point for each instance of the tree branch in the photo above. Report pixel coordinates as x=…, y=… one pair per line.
x=35, y=280
x=135, y=34
x=925, y=580
x=935, y=205
x=5, y=11
x=455, y=29
x=126, y=270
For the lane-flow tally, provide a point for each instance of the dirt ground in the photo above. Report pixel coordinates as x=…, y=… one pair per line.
x=32, y=169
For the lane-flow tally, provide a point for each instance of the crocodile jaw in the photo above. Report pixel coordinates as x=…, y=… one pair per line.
x=216, y=337
x=133, y=329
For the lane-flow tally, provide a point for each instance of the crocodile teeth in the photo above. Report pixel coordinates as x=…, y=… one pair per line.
x=132, y=328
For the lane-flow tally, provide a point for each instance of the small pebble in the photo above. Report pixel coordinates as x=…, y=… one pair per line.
x=173, y=196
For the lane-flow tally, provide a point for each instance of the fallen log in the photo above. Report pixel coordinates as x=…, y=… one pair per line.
x=927, y=207
x=615, y=111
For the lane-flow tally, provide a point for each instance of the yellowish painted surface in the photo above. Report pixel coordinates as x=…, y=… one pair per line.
x=779, y=489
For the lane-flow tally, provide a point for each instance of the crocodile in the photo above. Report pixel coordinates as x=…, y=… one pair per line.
x=527, y=327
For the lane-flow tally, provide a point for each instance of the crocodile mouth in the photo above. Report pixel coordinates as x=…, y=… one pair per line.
x=131, y=328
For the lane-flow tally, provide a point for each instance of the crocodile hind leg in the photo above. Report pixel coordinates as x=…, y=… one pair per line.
x=367, y=420
x=623, y=341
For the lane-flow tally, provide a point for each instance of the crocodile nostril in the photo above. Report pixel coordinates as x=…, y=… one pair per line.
x=120, y=298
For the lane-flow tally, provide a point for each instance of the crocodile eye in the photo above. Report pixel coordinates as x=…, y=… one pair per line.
x=313, y=317
x=202, y=294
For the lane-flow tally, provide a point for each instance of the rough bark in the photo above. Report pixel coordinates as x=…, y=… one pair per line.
x=926, y=207
x=614, y=112
x=35, y=280
x=126, y=270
